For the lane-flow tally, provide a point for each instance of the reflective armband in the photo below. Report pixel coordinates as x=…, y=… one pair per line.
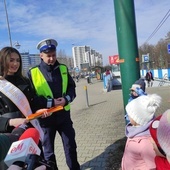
x=68, y=98
x=49, y=102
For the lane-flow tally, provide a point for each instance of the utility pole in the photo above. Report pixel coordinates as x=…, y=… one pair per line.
x=127, y=44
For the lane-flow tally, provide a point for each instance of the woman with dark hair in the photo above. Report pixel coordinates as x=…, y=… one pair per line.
x=7, y=56
x=11, y=70
x=16, y=93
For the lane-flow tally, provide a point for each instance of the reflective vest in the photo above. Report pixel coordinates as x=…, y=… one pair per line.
x=41, y=86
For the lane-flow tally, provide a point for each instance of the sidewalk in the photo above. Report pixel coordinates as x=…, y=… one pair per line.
x=100, y=127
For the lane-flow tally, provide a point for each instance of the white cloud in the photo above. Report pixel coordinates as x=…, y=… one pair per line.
x=90, y=22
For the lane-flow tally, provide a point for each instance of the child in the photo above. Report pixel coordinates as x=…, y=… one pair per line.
x=160, y=132
x=139, y=153
x=135, y=91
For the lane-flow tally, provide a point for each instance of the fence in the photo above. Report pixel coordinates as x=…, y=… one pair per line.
x=158, y=74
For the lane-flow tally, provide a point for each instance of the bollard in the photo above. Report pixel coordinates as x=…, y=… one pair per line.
x=87, y=100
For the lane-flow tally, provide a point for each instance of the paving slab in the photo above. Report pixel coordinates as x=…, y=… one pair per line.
x=99, y=126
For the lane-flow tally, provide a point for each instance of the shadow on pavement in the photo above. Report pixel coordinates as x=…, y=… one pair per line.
x=114, y=154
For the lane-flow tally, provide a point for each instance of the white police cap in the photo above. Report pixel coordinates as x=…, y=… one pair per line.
x=47, y=45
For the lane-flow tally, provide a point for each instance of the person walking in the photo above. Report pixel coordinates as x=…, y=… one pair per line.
x=55, y=87
x=149, y=78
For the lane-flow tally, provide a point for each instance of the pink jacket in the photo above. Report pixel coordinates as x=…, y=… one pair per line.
x=139, y=154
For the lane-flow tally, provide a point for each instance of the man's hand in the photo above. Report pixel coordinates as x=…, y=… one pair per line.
x=59, y=101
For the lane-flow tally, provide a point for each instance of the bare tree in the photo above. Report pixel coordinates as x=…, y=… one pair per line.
x=158, y=53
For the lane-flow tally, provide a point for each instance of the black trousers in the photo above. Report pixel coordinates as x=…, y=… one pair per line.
x=67, y=133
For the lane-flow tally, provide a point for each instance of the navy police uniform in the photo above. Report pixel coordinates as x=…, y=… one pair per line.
x=51, y=79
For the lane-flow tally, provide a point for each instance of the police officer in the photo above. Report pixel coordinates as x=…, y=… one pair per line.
x=54, y=86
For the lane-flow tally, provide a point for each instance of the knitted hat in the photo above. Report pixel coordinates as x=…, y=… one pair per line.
x=143, y=108
x=134, y=86
x=163, y=132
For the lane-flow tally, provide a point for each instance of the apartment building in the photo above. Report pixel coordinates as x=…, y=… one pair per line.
x=84, y=57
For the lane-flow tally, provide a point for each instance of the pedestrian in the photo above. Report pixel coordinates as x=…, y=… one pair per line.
x=139, y=153
x=108, y=80
x=77, y=78
x=14, y=89
x=135, y=91
x=160, y=132
x=149, y=78
x=141, y=82
x=54, y=86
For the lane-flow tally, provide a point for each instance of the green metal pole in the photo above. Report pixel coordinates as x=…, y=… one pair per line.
x=127, y=44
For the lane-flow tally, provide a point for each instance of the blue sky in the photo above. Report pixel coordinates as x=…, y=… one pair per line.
x=78, y=22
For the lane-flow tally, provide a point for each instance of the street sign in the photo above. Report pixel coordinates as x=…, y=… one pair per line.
x=145, y=58
x=168, y=47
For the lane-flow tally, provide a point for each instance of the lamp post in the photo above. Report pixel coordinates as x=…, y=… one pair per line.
x=17, y=45
x=9, y=32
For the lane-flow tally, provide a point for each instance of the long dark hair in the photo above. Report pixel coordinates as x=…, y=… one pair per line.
x=5, y=55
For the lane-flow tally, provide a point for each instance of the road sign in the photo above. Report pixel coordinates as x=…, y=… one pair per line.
x=145, y=58
x=168, y=46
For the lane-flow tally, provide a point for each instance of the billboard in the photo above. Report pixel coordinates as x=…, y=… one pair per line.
x=114, y=59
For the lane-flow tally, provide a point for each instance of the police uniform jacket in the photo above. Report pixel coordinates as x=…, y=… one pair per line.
x=53, y=77
x=8, y=109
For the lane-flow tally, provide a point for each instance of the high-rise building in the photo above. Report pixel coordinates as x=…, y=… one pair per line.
x=80, y=55
x=25, y=62
x=85, y=58
x=35, y=59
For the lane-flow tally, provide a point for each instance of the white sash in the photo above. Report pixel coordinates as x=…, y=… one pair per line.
x=19, y=99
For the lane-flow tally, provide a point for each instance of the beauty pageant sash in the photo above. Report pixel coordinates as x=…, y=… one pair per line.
x=19, y=99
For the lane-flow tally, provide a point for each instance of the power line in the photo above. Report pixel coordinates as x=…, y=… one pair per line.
x=159, y=25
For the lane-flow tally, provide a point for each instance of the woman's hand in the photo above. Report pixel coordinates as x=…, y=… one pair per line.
x=17, y=121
